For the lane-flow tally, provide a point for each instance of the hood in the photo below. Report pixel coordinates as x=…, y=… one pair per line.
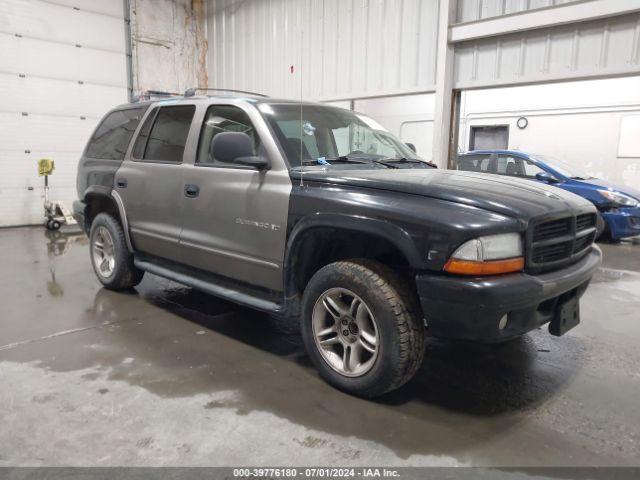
x=598, y=183
x=508, y=196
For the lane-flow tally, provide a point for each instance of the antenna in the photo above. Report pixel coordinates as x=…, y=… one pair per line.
x=301, y=132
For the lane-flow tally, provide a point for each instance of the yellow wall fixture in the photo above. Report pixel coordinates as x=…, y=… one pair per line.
x=45, y=166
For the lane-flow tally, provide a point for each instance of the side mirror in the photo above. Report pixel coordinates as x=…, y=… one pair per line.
x=236, y=147
x=411, y=146
x=546, y=177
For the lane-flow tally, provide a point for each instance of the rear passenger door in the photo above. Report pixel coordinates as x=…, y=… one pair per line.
x=150, y=181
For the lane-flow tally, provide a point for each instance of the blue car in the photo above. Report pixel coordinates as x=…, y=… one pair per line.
x=618, y=205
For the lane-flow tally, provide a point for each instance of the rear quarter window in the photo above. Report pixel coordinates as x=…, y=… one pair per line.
x=112, y=137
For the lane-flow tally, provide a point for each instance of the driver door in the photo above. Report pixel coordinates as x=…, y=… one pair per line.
x=234, y=216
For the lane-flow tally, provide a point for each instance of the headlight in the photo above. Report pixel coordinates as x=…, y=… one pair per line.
x=488, y=255
x=619, y=198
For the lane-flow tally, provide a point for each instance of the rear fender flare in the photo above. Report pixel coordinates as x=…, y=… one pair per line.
x=113, y=196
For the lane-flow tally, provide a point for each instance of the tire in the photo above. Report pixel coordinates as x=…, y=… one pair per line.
x=390, y=315
x=55, y=225
x=111, y=260
x=601, y=226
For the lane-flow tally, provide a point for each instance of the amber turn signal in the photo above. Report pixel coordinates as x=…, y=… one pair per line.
x=494, y=267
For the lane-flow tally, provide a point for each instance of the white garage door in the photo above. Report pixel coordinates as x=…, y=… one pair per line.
x=62, y=66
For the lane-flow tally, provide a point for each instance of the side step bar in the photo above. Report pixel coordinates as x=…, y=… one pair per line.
x=215, y=289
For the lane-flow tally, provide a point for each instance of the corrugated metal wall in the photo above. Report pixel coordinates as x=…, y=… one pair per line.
x=471, y=10
x=344, y=48
x=602, y=47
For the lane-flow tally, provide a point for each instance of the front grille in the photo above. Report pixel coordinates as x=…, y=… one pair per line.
x=585, y=221
x=553, y=243
x=551, y=253
x=582, y=242
x=554, y=228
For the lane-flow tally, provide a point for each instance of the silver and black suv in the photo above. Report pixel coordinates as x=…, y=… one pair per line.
x=316, y=213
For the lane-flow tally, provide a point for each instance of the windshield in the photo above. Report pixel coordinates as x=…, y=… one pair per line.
x=328, y=135
x=563, y=168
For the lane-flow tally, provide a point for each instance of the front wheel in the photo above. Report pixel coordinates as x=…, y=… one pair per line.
x=362, y=328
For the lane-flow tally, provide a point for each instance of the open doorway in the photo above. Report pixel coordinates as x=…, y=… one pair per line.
x=489, y=137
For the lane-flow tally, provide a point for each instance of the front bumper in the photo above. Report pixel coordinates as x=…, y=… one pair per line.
x=470, y=308
x=622, y=222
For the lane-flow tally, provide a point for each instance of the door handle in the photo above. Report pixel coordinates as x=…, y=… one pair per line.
x=191, y=191
x=121, y=183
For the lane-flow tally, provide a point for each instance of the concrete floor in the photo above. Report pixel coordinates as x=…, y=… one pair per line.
x=168, y=376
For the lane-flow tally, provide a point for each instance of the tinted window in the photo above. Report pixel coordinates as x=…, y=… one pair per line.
x=517, y=167
x=169, y=133
x=474, y=163
x=223, y=118
x=532, y=169
x=141, y=141
x=113, y=135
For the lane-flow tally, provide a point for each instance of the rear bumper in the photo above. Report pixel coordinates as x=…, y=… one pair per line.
x=623, y=222
x=471, y=308
x=78, y=214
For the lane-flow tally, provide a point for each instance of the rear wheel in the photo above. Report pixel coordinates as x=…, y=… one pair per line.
x=112, y=262
x=362, y=328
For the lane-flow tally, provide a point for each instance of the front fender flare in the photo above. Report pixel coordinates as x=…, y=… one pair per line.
x=394, y=234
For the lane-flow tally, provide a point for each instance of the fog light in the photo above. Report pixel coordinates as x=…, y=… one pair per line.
x=503, y=322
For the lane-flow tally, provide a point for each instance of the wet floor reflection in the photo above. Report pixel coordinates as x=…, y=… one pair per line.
x=58, y=244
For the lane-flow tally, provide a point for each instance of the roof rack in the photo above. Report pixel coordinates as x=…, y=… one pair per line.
x=192, y=91
x=154, y=95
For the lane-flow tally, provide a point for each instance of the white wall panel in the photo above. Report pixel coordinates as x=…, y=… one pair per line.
x=409, y=117
x=342, y=48
x=39, y=19
x=472, y=10
x=25, y=188
x=61, y=61
x=591, y=124
x=57, y=97
x=44, y=132
x=62, y=66
x=629, y=141
x=112, y=8
x=588, y=49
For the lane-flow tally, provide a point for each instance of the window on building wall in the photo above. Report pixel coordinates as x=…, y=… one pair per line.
x=489, y=137
x=629, y=142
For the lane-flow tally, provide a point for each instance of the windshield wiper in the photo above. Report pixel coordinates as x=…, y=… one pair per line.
x=361, y=161
x=407, y=160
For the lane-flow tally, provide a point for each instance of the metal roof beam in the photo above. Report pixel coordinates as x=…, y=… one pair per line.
x=541, y=18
